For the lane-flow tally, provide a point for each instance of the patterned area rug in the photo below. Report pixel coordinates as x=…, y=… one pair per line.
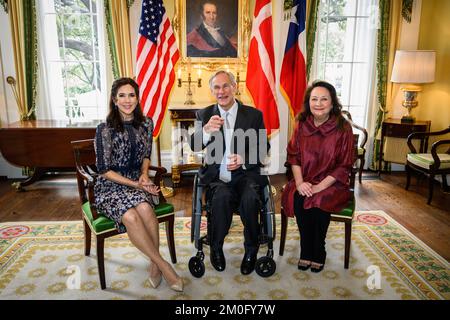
x=38, y=259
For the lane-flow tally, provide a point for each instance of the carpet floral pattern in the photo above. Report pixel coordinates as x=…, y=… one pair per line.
x=38, y=260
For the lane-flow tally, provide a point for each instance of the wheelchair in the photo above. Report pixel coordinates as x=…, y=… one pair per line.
x=265, y=266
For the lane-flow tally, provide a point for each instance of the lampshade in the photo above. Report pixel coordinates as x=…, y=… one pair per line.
x=414, y=66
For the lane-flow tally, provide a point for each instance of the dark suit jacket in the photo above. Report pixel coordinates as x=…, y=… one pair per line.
x=200, y=43
x=246, y=118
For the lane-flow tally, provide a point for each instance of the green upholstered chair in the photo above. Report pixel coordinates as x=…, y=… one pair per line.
x=97, y=224
x=345, y=215
x=429, y=163
x=362, y=145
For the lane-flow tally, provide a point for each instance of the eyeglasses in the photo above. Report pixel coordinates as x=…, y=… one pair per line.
x=217, y=88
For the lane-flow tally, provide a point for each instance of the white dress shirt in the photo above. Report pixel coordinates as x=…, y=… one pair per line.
x=225, y=175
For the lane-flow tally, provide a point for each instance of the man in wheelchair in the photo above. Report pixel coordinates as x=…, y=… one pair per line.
x=236, y=143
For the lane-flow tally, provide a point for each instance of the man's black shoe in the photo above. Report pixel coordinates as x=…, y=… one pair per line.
x=248, y=263
x=217, y=259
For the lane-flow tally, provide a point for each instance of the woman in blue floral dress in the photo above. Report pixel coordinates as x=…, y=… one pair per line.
x=124, y=191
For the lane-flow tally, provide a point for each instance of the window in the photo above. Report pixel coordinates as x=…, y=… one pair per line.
x=345, y=51
x=74, y=58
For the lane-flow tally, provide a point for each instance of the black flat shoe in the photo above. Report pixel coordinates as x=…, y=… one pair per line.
x=303, y=267
x=248, y=264
x=317, y=270
x=217, y=259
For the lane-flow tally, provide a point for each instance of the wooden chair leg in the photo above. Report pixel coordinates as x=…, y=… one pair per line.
x=444, y=183
x=284, y=221
x=348, y=240
x=361, y=166
x=171, y=238
x=87, y=238
x=408, y=177
x=101, y=261
x=430, y=188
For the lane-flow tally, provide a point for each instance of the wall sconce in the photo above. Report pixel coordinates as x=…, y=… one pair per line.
x=189, y=100
x=413, y=67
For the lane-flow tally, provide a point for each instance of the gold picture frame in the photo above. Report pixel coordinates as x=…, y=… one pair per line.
x=188, y=11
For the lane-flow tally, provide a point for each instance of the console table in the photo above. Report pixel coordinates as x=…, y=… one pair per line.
x=43, y=145
x=183, y=159
x=395, y=128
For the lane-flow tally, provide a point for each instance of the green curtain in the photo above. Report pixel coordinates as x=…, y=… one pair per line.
x=31, y=59
x=382, y=77
x=311, y=34
x=118, y=29
x=22, y=16
x=111, y=42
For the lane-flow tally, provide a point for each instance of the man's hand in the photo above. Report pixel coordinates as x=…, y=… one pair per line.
x=234, y=162
x=214, y=124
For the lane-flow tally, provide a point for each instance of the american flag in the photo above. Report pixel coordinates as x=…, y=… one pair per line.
x=260, y=79
x=157, y=54
x=293, y=70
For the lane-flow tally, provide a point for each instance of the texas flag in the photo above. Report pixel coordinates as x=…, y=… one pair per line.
x=293, y=69
x=260, y=78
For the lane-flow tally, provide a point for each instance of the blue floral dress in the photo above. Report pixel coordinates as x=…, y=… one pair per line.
x=122, y=152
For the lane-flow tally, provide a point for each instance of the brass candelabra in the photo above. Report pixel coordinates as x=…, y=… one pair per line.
x=189, y=81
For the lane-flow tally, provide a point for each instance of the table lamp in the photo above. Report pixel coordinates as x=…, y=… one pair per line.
x=413, y=67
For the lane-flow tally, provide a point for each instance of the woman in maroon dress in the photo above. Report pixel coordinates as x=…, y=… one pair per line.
x=320, y=154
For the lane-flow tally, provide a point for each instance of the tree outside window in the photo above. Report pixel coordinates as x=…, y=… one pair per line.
x=345, y=51
x=73, y=42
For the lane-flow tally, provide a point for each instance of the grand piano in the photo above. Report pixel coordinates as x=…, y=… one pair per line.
x=43, y=145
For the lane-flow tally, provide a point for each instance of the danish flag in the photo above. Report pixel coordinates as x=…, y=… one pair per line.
x=260, y=78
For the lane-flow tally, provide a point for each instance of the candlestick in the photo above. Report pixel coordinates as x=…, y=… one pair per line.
x=189, y=65
x=189, y=100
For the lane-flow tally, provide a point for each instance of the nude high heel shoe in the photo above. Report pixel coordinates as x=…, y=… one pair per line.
x=178, y=286
x=155, y=281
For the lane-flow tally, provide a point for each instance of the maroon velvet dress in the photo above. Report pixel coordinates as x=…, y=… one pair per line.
x=321, y=151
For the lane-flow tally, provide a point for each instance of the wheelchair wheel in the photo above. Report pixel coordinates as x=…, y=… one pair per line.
x=196, y=267
x=265, y=267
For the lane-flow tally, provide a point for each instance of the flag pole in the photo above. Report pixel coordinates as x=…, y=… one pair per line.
x=166, y=191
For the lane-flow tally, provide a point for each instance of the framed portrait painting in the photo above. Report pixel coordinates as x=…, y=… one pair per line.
x=212, y=30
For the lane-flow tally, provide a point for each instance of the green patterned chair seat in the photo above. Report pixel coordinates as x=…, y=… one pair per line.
x=347, y=212
x=425, y=160
x=103, y=224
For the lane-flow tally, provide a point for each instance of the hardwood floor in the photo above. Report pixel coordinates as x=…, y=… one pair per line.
x=56, y=198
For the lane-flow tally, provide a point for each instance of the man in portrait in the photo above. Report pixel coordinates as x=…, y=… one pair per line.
x=208, y=39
